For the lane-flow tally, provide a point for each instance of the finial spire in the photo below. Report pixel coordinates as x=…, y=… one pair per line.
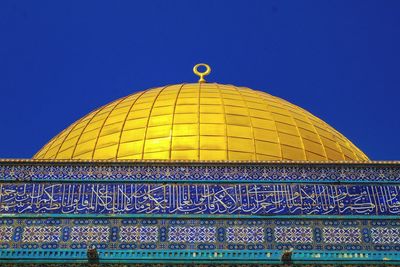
x=202, y=74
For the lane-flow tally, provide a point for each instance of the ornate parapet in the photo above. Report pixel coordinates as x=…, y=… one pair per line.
x=184, y=212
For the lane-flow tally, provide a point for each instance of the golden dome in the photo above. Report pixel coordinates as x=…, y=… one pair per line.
x=201, y=121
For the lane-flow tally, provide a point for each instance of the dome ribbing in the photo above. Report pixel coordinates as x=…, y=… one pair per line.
x=201, y=121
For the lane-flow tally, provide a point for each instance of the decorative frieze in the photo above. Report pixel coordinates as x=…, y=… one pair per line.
x=267, y=172
x=207, y=199
x=200, y=234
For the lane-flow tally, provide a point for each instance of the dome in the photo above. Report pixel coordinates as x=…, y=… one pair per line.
x=200, y=121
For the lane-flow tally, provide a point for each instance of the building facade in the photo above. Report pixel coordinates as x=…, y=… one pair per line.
x=199, y=174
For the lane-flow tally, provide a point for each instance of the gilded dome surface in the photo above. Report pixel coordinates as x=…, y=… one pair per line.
x=201, y=121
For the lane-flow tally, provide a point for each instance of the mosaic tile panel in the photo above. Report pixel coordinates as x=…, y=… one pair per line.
x=201, y=234
x=383, y=235
x=192, y=234
x=90, y=233
x=154, y=198
x=6, y=233
x=268, y=172
x=41, y=234
x=293, y=234
x=244, y=234
x=138, y=234
x=336, y=235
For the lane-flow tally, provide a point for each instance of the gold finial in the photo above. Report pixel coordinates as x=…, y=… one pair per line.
x=202, y=74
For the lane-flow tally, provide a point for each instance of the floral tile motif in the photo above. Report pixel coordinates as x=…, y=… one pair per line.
x=138, y=234
x=192, y=234
x=381, y=235
x=6, y=233
x=145, y=172
x=95, y=234
x=293, y=234
x=244, y=234
x=41, y=234
x=346, y=235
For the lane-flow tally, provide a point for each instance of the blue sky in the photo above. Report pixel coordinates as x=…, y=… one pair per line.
x=340, y=60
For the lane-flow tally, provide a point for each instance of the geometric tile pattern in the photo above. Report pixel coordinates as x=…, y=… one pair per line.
x=192, y=234
x=200, y=198
x=244, y=234
x=90, y=234
x=293, y=234
x=290, y=172
x=382, y=235
x=202, y=234
x=346, y=235
x=6, y=233
x=138, y=233
x=41, y=234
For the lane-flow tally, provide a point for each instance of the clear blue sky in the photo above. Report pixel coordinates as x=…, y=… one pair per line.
x=340, y=60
